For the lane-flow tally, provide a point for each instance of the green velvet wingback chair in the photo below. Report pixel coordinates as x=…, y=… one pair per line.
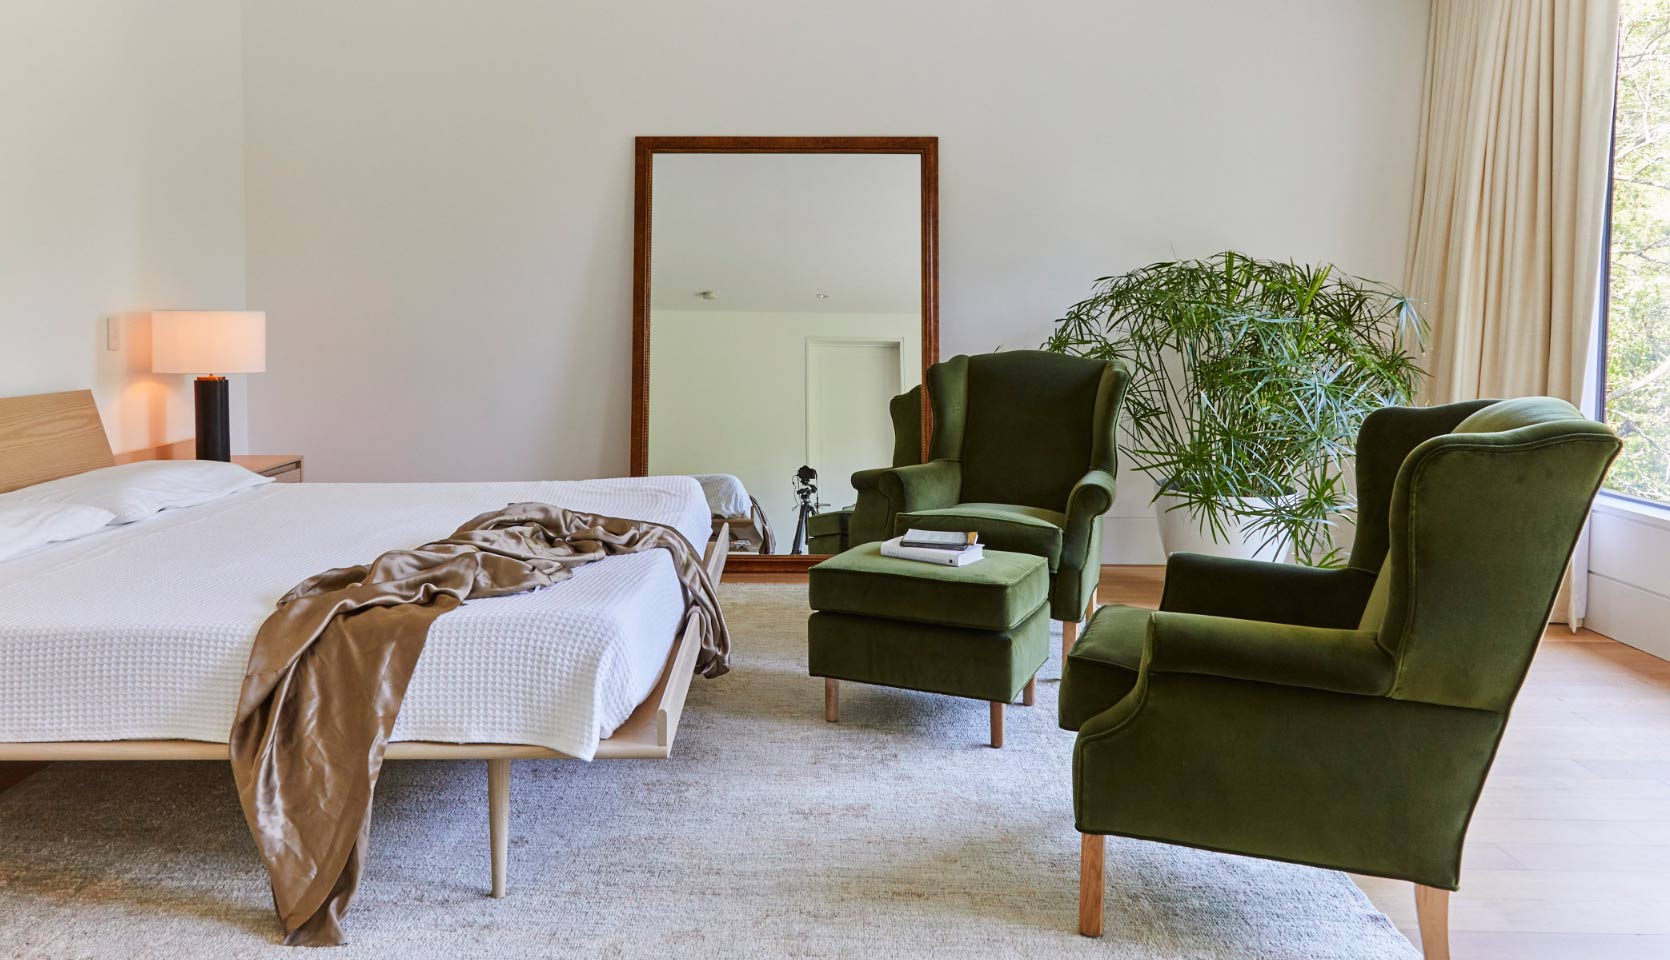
x=1023, y=452
x=868, y=520
x=1280, y=712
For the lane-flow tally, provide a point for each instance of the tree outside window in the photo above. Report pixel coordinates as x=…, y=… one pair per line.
x=1636, y=354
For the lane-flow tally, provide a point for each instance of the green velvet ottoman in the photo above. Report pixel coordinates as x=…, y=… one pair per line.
x=980, y=631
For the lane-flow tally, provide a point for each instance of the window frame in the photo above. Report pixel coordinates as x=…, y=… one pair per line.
x=1604, y=313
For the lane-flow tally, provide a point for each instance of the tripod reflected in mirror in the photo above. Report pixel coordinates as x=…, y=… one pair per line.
x=806, y=492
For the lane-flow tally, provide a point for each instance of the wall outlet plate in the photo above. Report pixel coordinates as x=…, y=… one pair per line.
x=113, y=332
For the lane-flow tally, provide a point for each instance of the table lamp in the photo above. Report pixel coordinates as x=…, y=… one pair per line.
x=211, y=344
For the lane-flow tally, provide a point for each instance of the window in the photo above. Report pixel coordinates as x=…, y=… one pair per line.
x=1635, y=333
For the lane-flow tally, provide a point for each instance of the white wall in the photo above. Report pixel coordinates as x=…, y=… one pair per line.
x=121, y=189
x=728, y=395
x=440, y=195
x=1629, y=582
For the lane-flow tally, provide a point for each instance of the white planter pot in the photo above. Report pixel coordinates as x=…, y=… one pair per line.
x=1179, y=533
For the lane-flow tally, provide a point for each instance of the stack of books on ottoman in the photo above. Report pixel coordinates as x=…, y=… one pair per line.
x=948, y=548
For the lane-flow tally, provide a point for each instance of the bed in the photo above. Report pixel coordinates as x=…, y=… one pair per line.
x=731, y=506
x=148, y=665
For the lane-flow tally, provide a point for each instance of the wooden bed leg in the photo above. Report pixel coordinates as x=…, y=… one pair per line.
x=1029, y=696
x=498, y=820
x=1091, y=846
x=831, y=699
x=997, y=725
x=1432, y=912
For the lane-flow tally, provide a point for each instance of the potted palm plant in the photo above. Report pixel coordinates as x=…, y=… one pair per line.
x=1249, y=380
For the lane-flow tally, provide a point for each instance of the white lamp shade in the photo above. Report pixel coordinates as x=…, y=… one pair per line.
x=208, y=341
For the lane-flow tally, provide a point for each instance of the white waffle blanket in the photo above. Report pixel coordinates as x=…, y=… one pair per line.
x=143, y=631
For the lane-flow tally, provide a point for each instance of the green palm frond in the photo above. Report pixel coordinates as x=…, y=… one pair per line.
x=1249, y=379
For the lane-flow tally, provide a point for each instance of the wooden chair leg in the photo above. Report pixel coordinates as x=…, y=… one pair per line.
x=1070, y=631
x=1432, y=912
x=498, y=820
x=1090, y=884
x=997, y=725
x=831, y=699
x=1029, y=696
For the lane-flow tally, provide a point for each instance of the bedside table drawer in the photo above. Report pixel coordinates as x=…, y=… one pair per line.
x=285, y=468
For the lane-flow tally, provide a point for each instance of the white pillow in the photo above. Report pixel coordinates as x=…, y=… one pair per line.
x=726, y=496
x=25, y=526
x=134, y=491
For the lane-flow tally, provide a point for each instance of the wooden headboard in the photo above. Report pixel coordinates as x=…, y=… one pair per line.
x=50, y=435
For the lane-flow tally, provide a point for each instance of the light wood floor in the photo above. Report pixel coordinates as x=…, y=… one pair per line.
x=1569, y=853
x=1568, y=857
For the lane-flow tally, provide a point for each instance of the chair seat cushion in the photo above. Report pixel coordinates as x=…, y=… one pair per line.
x=997, y=593
x=830, y=522
x=1001, y=526
x=826, y=545
x=1102, y=667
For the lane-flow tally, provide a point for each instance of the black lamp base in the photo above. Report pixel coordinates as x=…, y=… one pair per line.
x=214, y=419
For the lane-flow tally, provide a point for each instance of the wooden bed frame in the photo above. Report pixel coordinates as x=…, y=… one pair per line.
x=753, y=531
x=48, y=436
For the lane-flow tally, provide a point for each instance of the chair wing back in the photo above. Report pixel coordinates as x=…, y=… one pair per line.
x=1387, y=437
x=906, y=410
x=1026, y=424
x=1481, y=524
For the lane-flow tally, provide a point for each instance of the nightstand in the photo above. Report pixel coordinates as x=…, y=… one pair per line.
x=283, y=467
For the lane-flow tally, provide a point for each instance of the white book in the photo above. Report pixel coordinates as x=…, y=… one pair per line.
x=939, y=539
x=972, y=553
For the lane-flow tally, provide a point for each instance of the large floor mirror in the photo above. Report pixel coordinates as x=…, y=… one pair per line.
x=784, y=294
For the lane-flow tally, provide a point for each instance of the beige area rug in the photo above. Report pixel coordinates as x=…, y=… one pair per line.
x=896, y=833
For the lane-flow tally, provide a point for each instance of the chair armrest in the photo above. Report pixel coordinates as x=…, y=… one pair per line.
x=1317, y=658
x=1273, y=592
x=867, y=479
x=1091, y=497
x=922, y=486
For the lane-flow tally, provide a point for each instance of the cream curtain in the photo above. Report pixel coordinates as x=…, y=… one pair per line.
x=1510, y=202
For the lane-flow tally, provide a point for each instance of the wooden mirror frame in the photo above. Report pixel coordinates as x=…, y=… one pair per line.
x=926, y=148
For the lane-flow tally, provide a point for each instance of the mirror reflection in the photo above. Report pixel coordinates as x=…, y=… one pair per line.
x=785, y=320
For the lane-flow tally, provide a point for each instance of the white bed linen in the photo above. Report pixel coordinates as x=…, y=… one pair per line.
x=726, y=496
x=144, y=631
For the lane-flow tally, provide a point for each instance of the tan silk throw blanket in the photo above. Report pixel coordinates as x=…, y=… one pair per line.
x=330, y=667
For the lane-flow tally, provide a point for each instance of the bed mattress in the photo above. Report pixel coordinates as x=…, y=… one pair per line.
x=143, y=631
